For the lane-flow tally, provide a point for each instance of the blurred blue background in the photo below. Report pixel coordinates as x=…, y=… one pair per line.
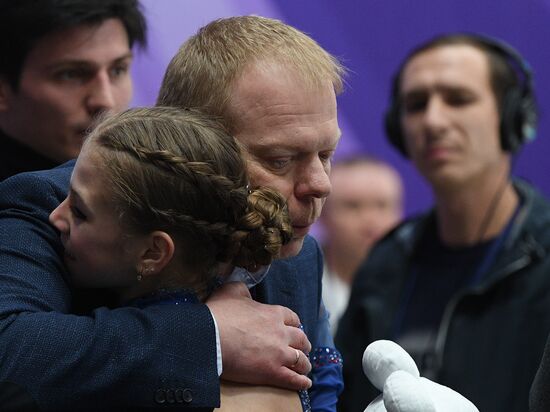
x=370, y=37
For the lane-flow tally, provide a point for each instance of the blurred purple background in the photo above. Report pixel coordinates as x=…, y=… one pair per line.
x=371, y=37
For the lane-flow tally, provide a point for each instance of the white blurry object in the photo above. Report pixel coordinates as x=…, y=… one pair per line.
x=392, y=370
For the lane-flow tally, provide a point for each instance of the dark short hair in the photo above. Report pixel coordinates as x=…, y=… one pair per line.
x=24, y=22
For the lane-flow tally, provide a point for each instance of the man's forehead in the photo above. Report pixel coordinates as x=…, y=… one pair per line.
x=459, y=64
x=293, y=140
x=267, y=81
x=106, y=40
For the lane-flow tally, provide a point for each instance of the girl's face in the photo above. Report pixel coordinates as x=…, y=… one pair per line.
x=97, y=251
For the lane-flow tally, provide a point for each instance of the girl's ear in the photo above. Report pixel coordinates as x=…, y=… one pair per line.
x=157, y=253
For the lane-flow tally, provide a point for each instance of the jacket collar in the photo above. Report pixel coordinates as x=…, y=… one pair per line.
x=16, y=158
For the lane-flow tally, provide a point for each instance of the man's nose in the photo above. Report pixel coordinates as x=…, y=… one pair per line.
x=100, y=94
x=435, y=116
x=314, y=180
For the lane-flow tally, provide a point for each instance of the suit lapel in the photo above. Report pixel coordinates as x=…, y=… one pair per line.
x=280, y=286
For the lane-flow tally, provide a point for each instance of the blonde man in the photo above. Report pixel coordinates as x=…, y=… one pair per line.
x=275, y=89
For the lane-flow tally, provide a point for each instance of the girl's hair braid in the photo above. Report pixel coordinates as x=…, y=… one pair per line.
x=179, y=171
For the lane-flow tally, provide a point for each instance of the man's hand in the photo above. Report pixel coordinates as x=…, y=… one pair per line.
x=261, y=344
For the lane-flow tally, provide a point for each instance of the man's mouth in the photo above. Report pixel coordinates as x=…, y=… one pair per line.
x=437, y=153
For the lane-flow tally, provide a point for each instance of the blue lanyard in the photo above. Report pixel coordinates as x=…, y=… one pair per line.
x=491, y=254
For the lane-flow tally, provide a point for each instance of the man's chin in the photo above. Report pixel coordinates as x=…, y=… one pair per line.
x=292, y=248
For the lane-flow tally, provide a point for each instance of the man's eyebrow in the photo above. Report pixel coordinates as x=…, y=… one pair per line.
x=125, y=56
x=288, y=147
x=417, y=91
x=439, y=88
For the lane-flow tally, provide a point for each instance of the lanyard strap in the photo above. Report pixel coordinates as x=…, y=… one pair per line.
x=491, y=254
x=482, y=268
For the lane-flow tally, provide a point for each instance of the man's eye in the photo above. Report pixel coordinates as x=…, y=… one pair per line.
x=119, y=70
x=77, y=213
x=326, y=157
x=459, y=99
x=352, y=205
x=414, y=105
x=72, y=74
x=279, y=163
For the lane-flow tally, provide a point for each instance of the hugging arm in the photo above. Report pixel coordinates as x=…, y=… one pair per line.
x=110, y=358
x=120, y=357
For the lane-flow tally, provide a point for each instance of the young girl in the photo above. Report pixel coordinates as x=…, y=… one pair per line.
x=159, y=208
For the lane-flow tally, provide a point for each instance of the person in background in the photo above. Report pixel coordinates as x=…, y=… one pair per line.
x=366, y=201
x=463, y=288
x=63, y=63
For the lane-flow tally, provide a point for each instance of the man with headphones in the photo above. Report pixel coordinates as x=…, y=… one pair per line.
x=464, y=287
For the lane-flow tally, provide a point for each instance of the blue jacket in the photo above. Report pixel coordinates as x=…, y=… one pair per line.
x=111, y=358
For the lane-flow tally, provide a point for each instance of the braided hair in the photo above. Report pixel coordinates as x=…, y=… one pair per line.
x=179, y=171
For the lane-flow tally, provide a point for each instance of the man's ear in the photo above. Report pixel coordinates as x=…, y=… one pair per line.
x=157, y=253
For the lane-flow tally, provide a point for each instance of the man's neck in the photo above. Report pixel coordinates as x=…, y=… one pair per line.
x=475, y=214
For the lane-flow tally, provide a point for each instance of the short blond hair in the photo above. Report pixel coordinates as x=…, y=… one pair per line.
x=203, y=71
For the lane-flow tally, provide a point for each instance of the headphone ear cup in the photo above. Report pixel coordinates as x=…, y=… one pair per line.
x=392, y=124
x=510, y=112
x=517, y=122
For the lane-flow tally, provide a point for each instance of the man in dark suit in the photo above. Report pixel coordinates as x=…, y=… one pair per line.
x=283, y=112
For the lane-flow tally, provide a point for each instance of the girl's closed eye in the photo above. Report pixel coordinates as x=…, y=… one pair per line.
x=77, y=213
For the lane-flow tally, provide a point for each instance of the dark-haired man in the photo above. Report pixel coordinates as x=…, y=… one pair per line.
x=463, y=288
x=63, y=63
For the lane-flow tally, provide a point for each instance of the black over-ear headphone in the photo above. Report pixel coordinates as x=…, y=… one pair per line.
x=518, y=117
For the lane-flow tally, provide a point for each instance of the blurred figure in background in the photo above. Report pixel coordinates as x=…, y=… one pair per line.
x=365, y=203
x=63, y=63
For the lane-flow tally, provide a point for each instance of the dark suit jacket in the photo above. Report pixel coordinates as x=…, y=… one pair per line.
x=113, y=358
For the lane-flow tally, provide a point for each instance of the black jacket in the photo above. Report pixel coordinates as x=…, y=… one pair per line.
x=16, y=158
x=491, y=337
x=539, y=400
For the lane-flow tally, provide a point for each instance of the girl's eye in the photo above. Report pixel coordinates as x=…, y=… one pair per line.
x=77, y=213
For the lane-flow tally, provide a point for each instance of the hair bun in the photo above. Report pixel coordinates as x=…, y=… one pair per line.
x=263, y=230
